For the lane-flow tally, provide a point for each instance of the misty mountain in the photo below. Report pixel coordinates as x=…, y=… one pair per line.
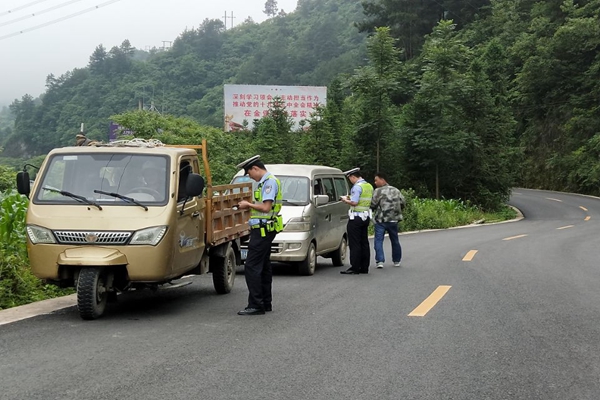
x=310, y=46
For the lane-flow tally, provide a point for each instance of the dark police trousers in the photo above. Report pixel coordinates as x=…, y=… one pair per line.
x=257, y=269
x=358, y=239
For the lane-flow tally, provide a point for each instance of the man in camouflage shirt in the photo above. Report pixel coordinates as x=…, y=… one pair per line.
x=387, y=204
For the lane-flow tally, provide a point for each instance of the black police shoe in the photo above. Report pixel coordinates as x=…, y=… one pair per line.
x=251, y=311
x=268, y=307
x=349, y=272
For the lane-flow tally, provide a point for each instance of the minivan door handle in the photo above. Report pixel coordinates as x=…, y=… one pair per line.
x=328, y=217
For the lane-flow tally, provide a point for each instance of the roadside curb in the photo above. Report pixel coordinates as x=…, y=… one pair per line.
x=19, y=313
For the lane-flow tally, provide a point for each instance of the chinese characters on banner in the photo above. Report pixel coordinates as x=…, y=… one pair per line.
x=250, y=102
x=115, y=130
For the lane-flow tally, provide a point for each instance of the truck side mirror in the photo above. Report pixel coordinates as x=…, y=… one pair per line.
x=194, y=185
x=321, y=199
x=23, y=185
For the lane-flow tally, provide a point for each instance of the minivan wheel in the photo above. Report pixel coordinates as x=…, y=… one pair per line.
x=308, y=265
x=92, y=292
x=339, y=256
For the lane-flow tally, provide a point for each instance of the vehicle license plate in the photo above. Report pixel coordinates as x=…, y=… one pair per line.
x=244, y=254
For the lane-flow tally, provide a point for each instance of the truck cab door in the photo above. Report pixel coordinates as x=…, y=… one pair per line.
x=189, y=236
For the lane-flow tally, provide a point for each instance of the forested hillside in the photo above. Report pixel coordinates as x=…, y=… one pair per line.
x=308, y=47
x=456, y=98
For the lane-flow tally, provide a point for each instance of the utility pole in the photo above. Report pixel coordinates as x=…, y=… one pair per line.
x=231, y=19
x=225, y=18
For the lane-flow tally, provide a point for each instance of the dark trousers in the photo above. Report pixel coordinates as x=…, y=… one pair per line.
x=358, y=239
x=257, y=269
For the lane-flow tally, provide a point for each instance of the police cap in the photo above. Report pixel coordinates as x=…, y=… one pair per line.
x=351, y=171
x=249, y=163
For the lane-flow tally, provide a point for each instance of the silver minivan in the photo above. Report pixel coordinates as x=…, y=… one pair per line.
x=314, y=218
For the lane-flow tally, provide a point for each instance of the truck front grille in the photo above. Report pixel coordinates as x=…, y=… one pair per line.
x=87, y=237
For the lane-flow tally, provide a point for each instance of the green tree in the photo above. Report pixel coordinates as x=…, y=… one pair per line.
x=373, y=87
x=98, y=59
x=456, y=130
x=271, y=8
x=316, y=144
x=272, y=137
x=411, y=20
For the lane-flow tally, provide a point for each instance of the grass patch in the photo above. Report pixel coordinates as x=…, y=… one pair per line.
x=423, y=214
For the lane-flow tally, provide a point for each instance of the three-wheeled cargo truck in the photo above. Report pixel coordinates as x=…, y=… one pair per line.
x=108, y=218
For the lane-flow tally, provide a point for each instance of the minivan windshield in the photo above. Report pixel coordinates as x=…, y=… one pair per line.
x=295, y=190
x=121, y=179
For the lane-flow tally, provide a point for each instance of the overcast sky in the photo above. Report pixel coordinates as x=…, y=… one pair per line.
x=51, y=42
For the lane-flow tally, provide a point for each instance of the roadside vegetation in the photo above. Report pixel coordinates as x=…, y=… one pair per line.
x=17, y=283
x=422, y=214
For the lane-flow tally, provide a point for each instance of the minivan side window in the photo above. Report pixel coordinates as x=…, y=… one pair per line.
x=328, y=188
x=317, y=188
x=341, y=187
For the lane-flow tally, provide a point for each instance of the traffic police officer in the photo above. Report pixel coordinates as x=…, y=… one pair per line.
x=358, y=223
x=265, y=222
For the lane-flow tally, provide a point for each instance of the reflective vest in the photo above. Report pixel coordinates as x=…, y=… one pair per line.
x=275, y=208
x=364, y=201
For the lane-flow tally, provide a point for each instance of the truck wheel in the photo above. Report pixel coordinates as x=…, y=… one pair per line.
x=308, y=265
x=339, y=255
x=223, y=271
x=92, y=292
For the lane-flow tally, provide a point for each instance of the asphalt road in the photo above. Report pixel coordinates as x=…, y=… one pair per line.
x=506, y=311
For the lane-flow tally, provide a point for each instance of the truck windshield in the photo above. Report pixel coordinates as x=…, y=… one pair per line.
x=294, y=189
x=141, y=177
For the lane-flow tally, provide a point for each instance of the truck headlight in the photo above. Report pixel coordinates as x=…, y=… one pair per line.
x=150, y=236
x=38, y=235
x=297, y=224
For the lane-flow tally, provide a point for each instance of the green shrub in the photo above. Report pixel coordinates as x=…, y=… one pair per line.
x=17, y=284
x=421, y=214
x=8, y=178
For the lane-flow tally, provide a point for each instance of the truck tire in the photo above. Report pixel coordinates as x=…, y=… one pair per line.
x=223, y=271
x=339, y=255
x=92, y=293
x=308, y=265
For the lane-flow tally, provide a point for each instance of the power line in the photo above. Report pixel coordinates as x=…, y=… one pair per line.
x=22, y=7
x=39, y=13
x=58, y=19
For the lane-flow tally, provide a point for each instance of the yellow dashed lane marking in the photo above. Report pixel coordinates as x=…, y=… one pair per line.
x=514, y=237
x=565, y=227
x=470, y=255
x=583, y=208
x=587, y=218
x=550, y=198
x=430, y=302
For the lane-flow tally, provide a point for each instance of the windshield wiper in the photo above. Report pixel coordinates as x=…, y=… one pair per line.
x=77, y=197
x=120, y=196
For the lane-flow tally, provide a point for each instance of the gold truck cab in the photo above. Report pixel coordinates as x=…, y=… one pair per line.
x=109, y=218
